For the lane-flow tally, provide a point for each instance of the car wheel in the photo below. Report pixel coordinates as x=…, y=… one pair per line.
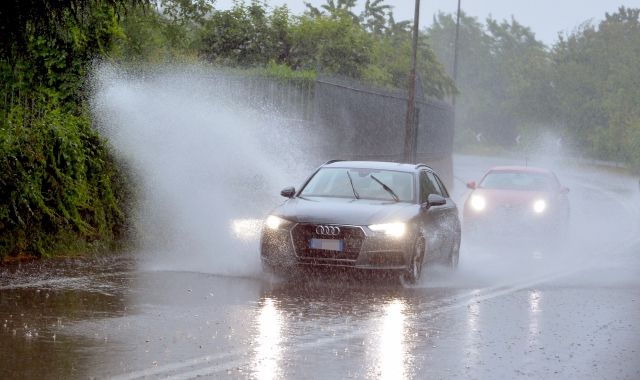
x=414, y=271
x=454, y=256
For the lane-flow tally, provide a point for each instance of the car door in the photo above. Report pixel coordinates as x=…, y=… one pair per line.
x=450, y=221
x=432, y=216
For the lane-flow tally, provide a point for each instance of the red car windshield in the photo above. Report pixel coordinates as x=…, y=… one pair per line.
x=518, y=180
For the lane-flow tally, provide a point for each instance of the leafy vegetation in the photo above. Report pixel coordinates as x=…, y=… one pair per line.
x=60, y=189
x=370, y=46
x=584, y=89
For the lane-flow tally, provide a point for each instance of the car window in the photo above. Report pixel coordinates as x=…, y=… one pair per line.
x=556, y=181
x=517, y=180
x=443, y=189
x=334, y=182
x=428, y=186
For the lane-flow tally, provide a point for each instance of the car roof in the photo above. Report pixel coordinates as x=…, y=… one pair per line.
x=521, y=169
x=374, y=165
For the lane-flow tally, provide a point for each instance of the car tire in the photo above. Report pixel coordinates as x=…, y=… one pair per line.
x=412, y=274
x=454, y=256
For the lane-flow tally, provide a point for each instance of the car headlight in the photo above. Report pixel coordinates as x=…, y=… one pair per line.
x=539, y=206
x=393, y=229
x=274, y=222
x=477, y=203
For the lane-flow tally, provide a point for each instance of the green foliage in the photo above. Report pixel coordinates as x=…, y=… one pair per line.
x=20, y=21
x=59, y=59
x=596, y=76
x=169, y=30
x=492, y=59
x=391, y=64
x=336, y=43
x=247, y=35
x=250, y=35
x=57, y=180
x=370, y=47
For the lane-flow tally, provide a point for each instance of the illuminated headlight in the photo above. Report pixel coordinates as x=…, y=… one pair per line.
x=539, y=206
x=393, y=229
x=477, y=203
x=274, y=222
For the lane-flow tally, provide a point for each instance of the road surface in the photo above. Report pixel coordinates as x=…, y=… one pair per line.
x=514, y=308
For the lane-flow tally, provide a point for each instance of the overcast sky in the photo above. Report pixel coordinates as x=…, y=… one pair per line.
x=545, y=17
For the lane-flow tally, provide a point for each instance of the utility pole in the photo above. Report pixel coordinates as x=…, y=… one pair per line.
x=455, y=60
x=408, y=141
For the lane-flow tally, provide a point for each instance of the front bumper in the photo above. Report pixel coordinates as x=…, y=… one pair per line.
x=362, y=248
x=502, y=220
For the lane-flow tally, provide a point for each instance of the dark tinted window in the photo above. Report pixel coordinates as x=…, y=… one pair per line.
x=445, y=193
x=428, y=186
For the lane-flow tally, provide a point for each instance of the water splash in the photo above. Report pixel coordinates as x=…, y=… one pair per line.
x=209, y=164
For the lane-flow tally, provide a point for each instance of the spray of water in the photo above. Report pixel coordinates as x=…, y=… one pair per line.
x=212, y=158
x=210, y=165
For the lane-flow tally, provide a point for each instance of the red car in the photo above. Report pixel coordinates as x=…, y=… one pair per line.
x=516, y=198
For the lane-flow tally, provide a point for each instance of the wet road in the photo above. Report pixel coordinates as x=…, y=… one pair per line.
x=514, y=308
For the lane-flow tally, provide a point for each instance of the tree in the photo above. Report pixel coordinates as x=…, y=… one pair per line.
x=340, y=46
x=21, y=20
x=248, y=35
x=372, y=18
x=487, y=75
x=335, y=9
x=167, y=30
x=596, y=77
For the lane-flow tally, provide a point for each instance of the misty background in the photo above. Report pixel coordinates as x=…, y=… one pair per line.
x=546, y=18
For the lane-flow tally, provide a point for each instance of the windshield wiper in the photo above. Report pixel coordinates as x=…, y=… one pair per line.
x=355, y=193
x=394, y=195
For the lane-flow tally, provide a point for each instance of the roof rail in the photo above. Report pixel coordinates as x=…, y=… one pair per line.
x=331, y=162
x=423, y=165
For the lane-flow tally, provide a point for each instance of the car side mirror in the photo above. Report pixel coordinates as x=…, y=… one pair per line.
x=471, y=185
x=288, y=192
x=564, y=190
x=435, y=200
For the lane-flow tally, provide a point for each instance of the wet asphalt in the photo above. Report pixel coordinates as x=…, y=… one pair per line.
x=516, y=307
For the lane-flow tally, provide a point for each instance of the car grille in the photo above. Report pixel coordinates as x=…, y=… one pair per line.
x=352, y=239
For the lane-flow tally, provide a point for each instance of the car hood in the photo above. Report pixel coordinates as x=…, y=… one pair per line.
x=344, y=211
x=500, y=197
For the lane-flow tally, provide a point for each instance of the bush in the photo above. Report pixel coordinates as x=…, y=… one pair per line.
x=60, y=188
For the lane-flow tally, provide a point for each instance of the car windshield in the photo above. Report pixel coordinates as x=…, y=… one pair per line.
x=518, y=180
x=335, y=182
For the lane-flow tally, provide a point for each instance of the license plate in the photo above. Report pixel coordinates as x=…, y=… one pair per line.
x=328, y=244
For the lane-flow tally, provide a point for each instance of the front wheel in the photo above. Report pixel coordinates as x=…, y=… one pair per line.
x=412, y=274
x=454, y=256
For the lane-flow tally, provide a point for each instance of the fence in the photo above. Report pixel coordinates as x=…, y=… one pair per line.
x=368, y=123
x=278, y=90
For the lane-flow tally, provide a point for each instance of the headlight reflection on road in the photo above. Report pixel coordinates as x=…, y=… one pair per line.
x=471, y=351
x=392, y=350
x=246, y=229
x=268, y=350
x=534, y=312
